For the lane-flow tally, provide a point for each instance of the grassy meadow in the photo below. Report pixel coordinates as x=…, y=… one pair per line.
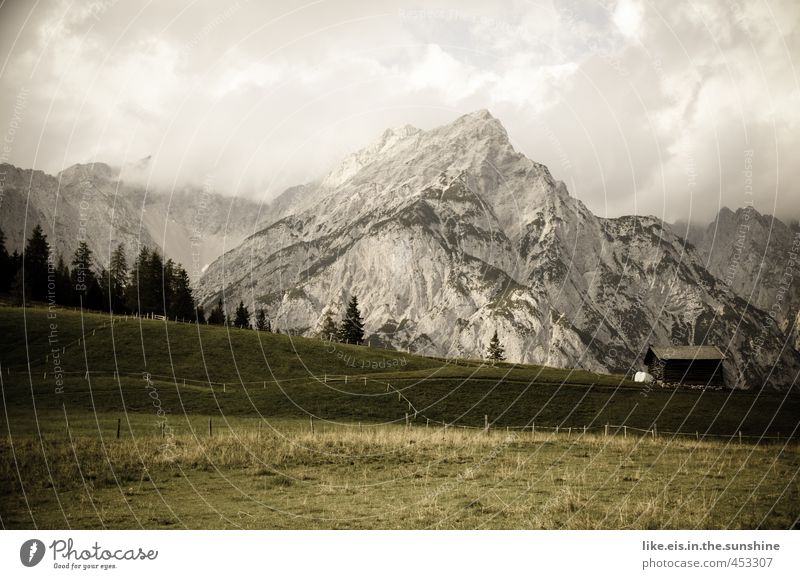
x=179, y=426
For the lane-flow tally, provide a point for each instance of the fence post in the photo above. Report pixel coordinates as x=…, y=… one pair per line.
x=569, y=433
x=653, y=431
x=556, y=428
x=406, y=419
x=533, y=429
x=210, y=431
x=427, y=422
x=486, y=423
x=624, y=432
x=697, y=434
x=606, y=430
x=365, y=380
x=584, y=430
x=311, y=421
x=740, y=437
x=345, y=378
x=119, y=421
x=223, y=386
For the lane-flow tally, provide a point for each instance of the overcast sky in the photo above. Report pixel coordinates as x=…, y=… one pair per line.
x=639, y=106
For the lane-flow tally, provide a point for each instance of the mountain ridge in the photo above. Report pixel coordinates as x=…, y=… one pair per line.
x=450, y=233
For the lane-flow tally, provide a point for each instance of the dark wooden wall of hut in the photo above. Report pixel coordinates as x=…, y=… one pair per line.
x=688, y=371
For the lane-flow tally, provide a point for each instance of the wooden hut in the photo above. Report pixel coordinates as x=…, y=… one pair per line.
x=686, y=365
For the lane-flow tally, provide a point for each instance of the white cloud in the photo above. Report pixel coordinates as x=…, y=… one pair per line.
x=453, y=79
x=628, y=17
x=269, y=94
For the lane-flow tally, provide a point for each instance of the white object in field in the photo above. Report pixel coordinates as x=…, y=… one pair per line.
x=643, y=377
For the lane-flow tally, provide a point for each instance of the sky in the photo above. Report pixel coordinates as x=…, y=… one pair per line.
x=665, y=108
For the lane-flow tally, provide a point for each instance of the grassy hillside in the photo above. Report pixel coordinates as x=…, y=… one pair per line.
x=128, y=445
x=218, y=371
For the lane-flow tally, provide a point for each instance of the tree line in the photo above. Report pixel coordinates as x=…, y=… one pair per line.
x=150, y=286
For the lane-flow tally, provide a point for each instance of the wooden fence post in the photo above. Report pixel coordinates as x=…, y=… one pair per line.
x=210, y=431
x=406, y=419
x=119, y=421
x=486, y=423
x=606, y=430
x=569, y=433
x=311, y=421
x=624, y=432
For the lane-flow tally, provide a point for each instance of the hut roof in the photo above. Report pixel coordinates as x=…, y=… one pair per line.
x=687, y=352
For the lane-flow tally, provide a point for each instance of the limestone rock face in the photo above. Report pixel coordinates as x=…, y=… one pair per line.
x=449, y=234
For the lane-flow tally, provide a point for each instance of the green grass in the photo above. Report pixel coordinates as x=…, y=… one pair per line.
x=282, y=476
x=61, y=464
x=228, y=372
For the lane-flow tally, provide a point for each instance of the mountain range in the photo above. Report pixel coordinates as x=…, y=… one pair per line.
x=94, y=203
x=448, y=235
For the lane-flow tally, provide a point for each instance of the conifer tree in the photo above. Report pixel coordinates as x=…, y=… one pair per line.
x=182, y=301
x=352, y=329
x=117, y=279
x=6, y=275
x=138, y=288
x=217, y=315
x=242, y=318
x=262, y=323
x=63, y=285
x=35, y=256
x=85, y=286
x=496, y=350
x=329, y=330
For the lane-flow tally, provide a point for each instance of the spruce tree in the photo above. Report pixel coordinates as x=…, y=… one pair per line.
x=182, y=301
x=35, y=256
x=85, y=287
x=262, y=323
x=329, y=330
x=6, y=275
x=64, y=295
x=352, y=329
x=496, y=350
x=137, y=291
x=117, y=279
x=157, y=297
x=242, y=319
x=217, y=315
